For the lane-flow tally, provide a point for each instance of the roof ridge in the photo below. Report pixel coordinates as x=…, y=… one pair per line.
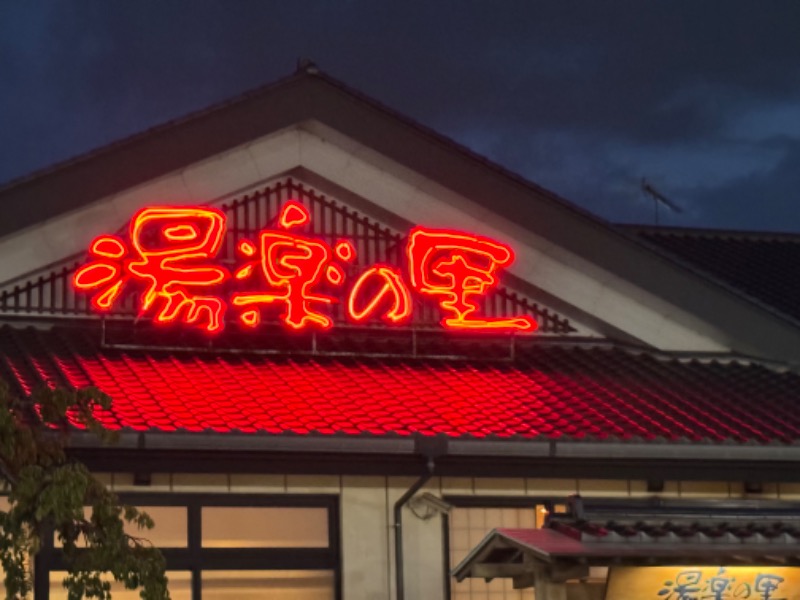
x=155, y=129
x=304, y=72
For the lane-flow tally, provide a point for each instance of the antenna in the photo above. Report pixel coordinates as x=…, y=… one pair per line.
x=659, y=198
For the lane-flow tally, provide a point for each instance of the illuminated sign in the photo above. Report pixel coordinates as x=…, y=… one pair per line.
x=172, y=253
x=703, y=583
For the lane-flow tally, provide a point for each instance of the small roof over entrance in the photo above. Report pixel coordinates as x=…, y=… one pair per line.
x=649, y=533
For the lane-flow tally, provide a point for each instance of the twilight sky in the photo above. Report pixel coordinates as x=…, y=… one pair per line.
x=584, y=97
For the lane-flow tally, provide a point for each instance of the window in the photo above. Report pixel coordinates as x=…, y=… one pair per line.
x=268, y=585
x=264, y=527
x=170, y=531
x=231, y=546
x=180, y=587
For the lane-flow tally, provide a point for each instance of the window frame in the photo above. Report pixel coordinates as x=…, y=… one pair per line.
x=196, y=559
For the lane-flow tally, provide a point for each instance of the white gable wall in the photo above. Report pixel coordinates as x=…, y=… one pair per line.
x=392, y=187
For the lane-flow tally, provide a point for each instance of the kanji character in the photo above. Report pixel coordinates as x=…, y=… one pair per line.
x=685, y=586
x=766, y=584
x=172, y=243
x=390, y=287
x=167, y=244
x=107, y=269
x=293, y=266
x=457, y=268
x=718, y=586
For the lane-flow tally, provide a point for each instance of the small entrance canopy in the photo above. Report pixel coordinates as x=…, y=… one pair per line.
x=650, y=533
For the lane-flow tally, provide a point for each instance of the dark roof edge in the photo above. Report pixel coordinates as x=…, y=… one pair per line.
x=150, y=154
x=628, y=450
x=163, y=127
x=455, y=447
x=232, y=442
x=710, y=232
x=302, y=74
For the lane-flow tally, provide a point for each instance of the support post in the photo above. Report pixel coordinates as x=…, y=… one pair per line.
x=546, y=588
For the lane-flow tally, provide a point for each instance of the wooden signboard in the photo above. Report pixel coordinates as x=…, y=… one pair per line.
x=703, y=583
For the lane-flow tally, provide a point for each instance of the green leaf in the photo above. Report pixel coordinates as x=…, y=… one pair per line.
x=49, y=493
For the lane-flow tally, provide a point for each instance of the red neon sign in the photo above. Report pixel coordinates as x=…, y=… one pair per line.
x=172, y=252
x=456, y=268
x=293, y=265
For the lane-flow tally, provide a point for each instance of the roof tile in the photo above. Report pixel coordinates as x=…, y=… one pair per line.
x=550, y=391
x=758, y=265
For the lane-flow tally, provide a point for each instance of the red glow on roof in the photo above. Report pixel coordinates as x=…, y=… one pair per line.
x=553, y=392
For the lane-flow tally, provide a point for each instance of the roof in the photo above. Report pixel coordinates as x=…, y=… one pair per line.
x=503, y=549
x=547, y=392
x=663, y=521
x=732, y=318
x=758, y=265
x=647, y=532
x=552, y=546
x=307, y=94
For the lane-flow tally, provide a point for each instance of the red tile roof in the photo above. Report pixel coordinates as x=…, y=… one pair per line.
x=552, y=547
x=645, y=531
x=549, y=391
x=668, y=520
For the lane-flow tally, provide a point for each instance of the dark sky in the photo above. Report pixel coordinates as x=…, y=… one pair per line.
x=700, y=97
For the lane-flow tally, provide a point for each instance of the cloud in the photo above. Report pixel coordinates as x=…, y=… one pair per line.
x=758, y=201
x=582, y=96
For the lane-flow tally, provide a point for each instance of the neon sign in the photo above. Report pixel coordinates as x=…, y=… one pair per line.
x=172, y=252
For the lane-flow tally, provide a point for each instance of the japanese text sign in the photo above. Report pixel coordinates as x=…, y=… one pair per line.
x=703, y=583
x=172, y=258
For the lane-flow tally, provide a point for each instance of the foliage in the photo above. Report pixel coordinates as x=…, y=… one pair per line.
x=49, y=493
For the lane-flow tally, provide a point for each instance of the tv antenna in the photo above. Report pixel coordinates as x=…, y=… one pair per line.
x=658, y=199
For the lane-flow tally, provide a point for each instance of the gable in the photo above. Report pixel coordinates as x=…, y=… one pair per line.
x=254, y=172
x=400, y=174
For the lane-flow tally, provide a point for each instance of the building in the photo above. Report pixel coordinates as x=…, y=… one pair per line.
x=280, y=463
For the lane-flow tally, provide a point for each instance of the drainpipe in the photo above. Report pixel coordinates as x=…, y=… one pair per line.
x=398, y=528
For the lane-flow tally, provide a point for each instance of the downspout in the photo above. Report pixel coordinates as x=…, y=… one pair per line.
x=398, y=528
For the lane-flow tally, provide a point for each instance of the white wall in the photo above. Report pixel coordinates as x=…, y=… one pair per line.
x=367, y=512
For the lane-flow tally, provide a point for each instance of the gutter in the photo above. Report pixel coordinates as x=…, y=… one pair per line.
x=398, y=528
x=655, y=450
x=536, y=448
